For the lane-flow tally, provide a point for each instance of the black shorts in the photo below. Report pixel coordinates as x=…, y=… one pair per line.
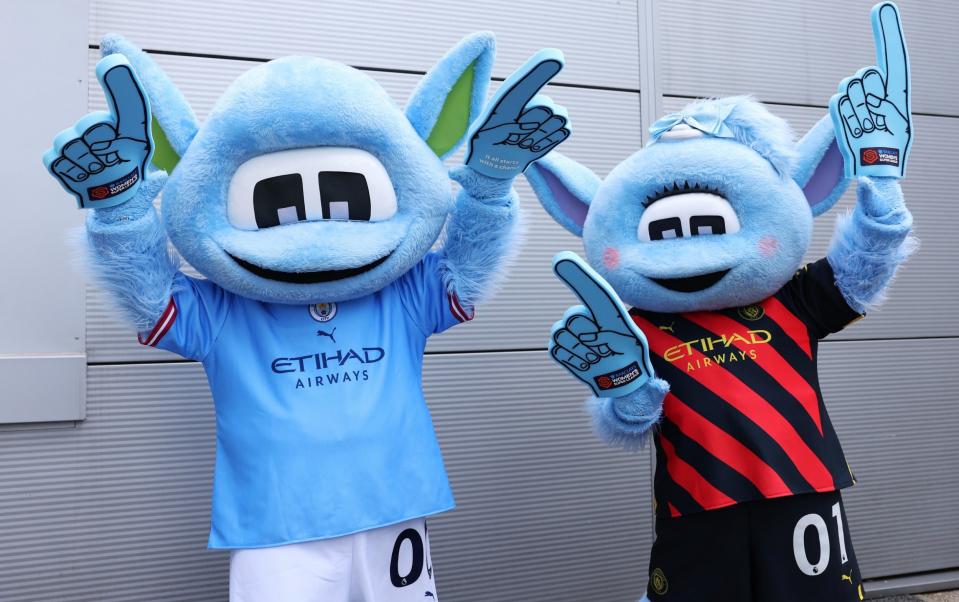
x=792, y=549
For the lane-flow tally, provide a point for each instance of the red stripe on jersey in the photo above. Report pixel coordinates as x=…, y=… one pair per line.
x=725, y=447
x=672, y=510
x=791, y=325
x=163, y=325
x=767, y=358
x=458, y=312
x=687, y=477
x=736, y=393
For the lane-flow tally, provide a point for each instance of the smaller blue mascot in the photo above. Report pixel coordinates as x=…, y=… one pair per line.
x=311, y=202
x=702, y=232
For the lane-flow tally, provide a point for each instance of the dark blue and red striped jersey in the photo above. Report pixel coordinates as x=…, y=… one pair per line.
x=744, y=418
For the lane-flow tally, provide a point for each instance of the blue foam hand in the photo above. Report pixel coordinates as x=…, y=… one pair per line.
x=598, y=342
x=102, y=160
x=519, y=126
x=871, y=110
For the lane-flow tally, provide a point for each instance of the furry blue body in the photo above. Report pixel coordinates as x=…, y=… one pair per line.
x=775, y=186
x=302, y=102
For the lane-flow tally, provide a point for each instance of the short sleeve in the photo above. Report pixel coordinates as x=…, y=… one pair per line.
x=192, y=319
x=426, y=300
x=813, y=296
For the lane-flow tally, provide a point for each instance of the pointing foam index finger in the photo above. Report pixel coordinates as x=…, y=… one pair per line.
x=126, y=97
x=891, y=54
x=526, y=82
x=591, y=289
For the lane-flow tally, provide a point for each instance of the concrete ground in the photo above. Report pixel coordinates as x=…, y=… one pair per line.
x=940, y=597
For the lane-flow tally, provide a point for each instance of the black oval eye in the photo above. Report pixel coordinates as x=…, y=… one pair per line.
x=707, y=224
x=278, y=200
x=344, y=195
x=670, y=227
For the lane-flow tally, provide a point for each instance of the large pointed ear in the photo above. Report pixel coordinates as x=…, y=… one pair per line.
x=564, y=188
x=174, y=124
x=819, y=167
x=452, y=94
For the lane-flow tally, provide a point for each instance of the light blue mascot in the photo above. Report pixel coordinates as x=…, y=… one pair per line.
x=702, y=233
x=311, y=202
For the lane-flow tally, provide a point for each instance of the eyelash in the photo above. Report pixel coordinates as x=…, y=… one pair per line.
x=668, y=191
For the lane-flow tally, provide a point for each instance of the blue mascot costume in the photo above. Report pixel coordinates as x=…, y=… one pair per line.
x=702, y=233
x=310, y=202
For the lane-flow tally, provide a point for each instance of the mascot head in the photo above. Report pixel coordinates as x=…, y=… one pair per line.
x=716, y=211
x=307, y=183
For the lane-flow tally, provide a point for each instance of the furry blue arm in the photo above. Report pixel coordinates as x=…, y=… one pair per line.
x=871, y=242
x=627, y=421
x=481, y=236
x=127, y=247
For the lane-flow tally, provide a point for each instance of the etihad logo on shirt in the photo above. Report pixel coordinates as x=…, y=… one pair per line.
x=329, y=368
x=718, y=350
x=324, y=360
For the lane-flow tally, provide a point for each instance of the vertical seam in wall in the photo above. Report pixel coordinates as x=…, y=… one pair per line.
x=650, y=102
x=649, y=92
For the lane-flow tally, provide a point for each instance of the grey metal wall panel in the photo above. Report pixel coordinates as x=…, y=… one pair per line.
x=118, y=507
x=392, y=34
x=115, y=508
x=606, y=125
x=894, y=406
x=798, y=52
x=924, y=299
x=539, y=498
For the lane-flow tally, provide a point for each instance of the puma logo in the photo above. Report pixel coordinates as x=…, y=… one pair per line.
x=323, y=333
x=668, y=328
x=847, y=578
x=429, y=595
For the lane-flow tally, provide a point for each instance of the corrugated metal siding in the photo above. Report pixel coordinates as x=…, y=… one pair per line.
x=118, y=508
x=894, y=407
x=798, y=52
x=599, y=38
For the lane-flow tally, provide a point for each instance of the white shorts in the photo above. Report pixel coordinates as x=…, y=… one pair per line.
x=389, y=564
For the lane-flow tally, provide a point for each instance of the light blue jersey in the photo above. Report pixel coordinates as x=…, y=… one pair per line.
x=321, y=425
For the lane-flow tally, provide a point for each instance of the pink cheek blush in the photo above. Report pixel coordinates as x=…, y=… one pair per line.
x=610, y=258
x=768, y=246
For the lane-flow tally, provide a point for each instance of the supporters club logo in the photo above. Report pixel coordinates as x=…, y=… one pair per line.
x=323, y=312
x=879, y=156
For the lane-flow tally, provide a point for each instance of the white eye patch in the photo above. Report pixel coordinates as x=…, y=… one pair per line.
x=310, y=184
x=687, y=214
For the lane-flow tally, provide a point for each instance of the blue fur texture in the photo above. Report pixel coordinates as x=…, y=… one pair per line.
x=481, y=237
x=300, y=102
x=627, y=421
x=819, y=167
x=169, y=107
x=565, y=188
x=128, y=254
x=752, y=171
x=756, y=128
x=870, y=243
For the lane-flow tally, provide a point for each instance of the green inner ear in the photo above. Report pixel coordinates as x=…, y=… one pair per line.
x=164, y=156
x=454, y=118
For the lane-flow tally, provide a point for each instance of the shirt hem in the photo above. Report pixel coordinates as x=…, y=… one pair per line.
x=212, y=546
x=838, y=486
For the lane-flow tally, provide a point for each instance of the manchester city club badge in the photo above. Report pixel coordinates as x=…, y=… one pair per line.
x=323, y=312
